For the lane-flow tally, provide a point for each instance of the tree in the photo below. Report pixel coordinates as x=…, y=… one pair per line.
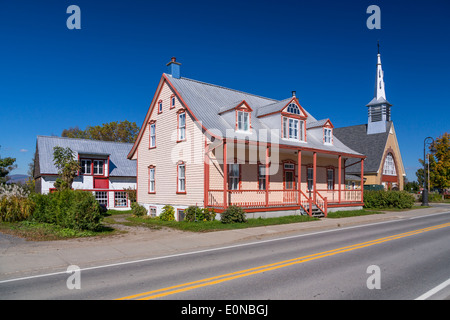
x=124, y=131
x=67, y=165
x=6, y=166
x=439, y=164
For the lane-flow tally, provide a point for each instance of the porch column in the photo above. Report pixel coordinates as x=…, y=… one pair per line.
x=299, y=173
x=339, y=177
x=225, y=175
x=314, y=174
x=206, y=174
x=362, y=180
x=267, y=175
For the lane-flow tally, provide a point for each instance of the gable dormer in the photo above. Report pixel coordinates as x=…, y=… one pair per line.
x=242, y=115
x=322, y=129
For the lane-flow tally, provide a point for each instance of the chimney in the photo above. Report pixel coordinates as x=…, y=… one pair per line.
x=293, y=93
x=174, y=68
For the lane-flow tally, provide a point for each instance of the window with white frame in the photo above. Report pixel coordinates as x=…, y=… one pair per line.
x=86, y=166
x=389, y=166
x=330, y=179
x=327, y=135
x=98, y=167
x=233, y=173
x=152, y=135
x=120, y=199
x=101, y=197
x=172, y=102
x=182, y=126
x=151, y=180
x=243, y=121
x=293, y=128
x=181, y=177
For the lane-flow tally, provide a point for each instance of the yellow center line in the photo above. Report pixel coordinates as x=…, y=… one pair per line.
x=273, y=266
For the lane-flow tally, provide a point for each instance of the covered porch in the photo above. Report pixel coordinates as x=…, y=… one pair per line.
x=260, y=177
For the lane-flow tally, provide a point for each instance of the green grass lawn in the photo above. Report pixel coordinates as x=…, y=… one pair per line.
x=351, y=213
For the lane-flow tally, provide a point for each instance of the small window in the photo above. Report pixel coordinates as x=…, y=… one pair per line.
x=120, y=199
x=98, y=167
x=160, y=106
x=233, y=172
x=327, y=135
x=180, y=214
x=151, y=180
x=86, y=166
x=182, y=126
x=182, y=178
x=289, y=166
x=293, y=108
x=152, y=212
x=152, y=135
x=243, y=121
x=172, y=102
x=262, y=177
x=330, y=179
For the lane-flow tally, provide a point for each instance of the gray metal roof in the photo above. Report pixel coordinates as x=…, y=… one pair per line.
x=120, y=166
x=206, y=101
x=372, y=145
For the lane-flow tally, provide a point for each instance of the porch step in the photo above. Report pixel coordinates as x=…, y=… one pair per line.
x=316, y=212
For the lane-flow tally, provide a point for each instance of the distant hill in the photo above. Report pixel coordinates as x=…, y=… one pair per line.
x=17, y=178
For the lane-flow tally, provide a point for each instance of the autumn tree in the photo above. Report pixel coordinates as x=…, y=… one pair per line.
x=439, y=164
x=124, y=131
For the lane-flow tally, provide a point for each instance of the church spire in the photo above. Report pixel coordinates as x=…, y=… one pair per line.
x=379, y=107
x=379, y=79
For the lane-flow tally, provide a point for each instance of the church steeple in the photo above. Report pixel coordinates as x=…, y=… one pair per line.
x=379, y=109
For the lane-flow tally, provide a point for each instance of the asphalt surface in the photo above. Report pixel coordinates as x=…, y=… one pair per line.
x=117, y=268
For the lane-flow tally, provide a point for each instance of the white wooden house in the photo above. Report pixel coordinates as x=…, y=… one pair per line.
x=105, y=169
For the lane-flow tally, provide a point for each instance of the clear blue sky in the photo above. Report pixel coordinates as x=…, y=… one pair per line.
x=52, y=78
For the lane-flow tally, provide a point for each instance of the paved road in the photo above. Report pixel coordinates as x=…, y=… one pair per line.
x=404, y=258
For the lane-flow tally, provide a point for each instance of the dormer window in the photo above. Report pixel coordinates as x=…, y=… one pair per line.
x=327, y=135
x=243, y=120
x=293, y=128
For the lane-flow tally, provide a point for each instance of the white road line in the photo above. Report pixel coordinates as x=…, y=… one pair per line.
x=433, y=291
x=213, y=249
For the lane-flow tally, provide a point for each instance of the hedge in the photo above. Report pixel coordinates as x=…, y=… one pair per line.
x=382, y=199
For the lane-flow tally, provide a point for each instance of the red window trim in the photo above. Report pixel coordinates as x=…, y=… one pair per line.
x=126, y=194
x=240, y=176
x=243, y=109
x=160, y=106
x=289, y=115
x=152, y=122
x=181, y=163
x=294, y=176
x=173, y=102
x=154, y=189
x=92, y=167
x=179, y=112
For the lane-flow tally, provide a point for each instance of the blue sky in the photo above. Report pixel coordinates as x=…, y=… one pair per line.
x=53, y=78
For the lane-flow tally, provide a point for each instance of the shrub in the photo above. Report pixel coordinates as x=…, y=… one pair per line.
x=15, y=208
x=382, y=199
x=138, y=210
x=194, y=213
x=72, y=209
x=233, y=214
x=168, y=213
